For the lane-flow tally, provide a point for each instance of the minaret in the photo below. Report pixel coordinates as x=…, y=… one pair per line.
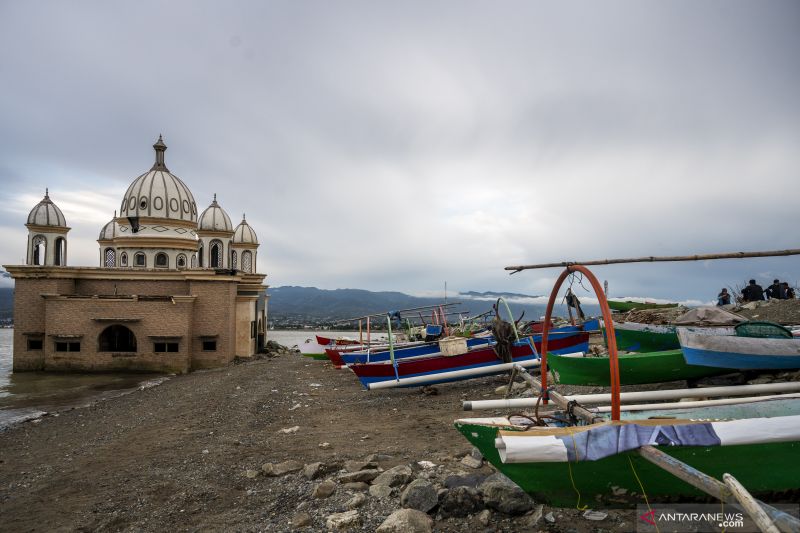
x=160, y=148
x=47, y=234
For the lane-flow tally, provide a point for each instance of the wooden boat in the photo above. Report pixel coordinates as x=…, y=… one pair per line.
x=338, y=341
x=734, y=351
x=382, y=353
x=636, y=337
x=340, y=358
x=634, y=368
x=543, y=461
x=442, y=368
x=627, y=305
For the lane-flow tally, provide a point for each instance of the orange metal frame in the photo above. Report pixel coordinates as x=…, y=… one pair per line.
x=610, y=336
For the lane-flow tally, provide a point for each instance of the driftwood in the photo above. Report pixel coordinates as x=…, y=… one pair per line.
x=655, y=259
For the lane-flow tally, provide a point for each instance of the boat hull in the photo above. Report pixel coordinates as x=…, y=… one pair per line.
x=611, y=482
x=430, y=366
x=744, y=353
x=634, y=369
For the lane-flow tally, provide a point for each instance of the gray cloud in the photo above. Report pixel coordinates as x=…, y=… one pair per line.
x=395, y=146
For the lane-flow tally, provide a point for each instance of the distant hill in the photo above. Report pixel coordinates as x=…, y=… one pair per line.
x=6, y=302
x=310, y=305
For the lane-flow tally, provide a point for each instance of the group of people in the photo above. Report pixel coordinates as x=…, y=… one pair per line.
x=753, y=292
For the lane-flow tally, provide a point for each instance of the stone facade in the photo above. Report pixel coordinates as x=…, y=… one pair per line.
x=179, y=320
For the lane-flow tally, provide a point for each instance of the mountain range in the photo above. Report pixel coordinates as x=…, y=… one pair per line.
x=291, y=305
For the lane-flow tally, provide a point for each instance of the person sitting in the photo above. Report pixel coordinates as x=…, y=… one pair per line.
x=723, y=298
x=776, y=291
x=753, y=292
x=788, y=292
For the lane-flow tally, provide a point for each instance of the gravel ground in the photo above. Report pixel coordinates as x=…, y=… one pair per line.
x=187, y=455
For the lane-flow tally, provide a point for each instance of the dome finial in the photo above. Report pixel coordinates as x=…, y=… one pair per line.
x=160, y=148
x=244, y=217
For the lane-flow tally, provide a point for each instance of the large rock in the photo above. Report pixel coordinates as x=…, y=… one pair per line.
x=470, y=480
x=501, y=494
x=419, y=495
x=356, y=501
x=356, y=465
x=460, y=501
x=406, y=521
x=301, y=520
x=280, y=469
x=380, y=491
x=324, y=489
x=314, y=470
x=361, y=475
x=356, y=485
x=343, y=521
x=395, y=477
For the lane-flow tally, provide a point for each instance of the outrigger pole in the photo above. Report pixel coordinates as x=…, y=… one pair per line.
x=397, y=311
x=657, y=259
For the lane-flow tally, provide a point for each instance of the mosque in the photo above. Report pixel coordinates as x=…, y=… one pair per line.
x=173, y=291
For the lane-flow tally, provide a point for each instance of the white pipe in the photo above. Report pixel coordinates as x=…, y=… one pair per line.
x=674, y=394
x=698, y=403
x=469, y=372
x=531, y=402
x=498, y=404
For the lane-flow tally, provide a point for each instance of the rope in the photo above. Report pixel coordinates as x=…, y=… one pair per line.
x=572, y=479
x=649, y=509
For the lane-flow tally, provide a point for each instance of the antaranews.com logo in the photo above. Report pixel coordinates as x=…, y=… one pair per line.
x=701, y=518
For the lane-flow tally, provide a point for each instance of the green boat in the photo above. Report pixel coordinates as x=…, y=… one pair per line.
x=612, y=481
x=617, y=305
x=635, y=337
x=634, y=368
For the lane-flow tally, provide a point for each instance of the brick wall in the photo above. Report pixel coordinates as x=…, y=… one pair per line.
x=91, y=287
x=214, y=314
x=29, y=317
x=78, y=316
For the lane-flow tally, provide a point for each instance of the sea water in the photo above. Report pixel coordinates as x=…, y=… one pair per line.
x=28, y=395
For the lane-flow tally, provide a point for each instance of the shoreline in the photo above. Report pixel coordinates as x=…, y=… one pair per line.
x=189, y=453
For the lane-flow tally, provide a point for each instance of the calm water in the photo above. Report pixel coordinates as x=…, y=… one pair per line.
x=26, y=395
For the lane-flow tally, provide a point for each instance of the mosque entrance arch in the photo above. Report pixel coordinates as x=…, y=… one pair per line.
x=117, y=338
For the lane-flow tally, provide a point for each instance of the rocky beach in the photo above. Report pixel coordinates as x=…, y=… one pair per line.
x=278, y=443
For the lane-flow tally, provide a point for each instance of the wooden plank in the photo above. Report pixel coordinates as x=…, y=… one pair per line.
x=750, y=505
x=657, y=259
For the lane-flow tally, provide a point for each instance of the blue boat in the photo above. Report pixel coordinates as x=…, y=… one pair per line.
x=780, y=352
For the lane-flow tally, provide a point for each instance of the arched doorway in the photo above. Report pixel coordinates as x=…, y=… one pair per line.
x=117, y=338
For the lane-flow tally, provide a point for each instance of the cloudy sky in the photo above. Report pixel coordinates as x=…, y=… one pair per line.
x=399, y=145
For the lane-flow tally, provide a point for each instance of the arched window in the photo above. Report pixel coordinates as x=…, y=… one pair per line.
x=117, y=338
x=200, y=256
x=111, y=258
x=215, y=260
x=162, y=261
x=247, y=261
x=139, y=260
x=181, y=261
x=123, y=259
x=194, y=260
x=39, y=250
x=233, y=259
x=60, y=250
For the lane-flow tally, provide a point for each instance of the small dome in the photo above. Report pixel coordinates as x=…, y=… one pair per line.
x=109, y=231
x=244, y=234
x=46, y=213
x=214, y=218
x=159, y=193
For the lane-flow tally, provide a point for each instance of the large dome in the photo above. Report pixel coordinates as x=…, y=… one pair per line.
x=214, y=218
x=244, y=234
x=46, y=213
x=159, y=193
